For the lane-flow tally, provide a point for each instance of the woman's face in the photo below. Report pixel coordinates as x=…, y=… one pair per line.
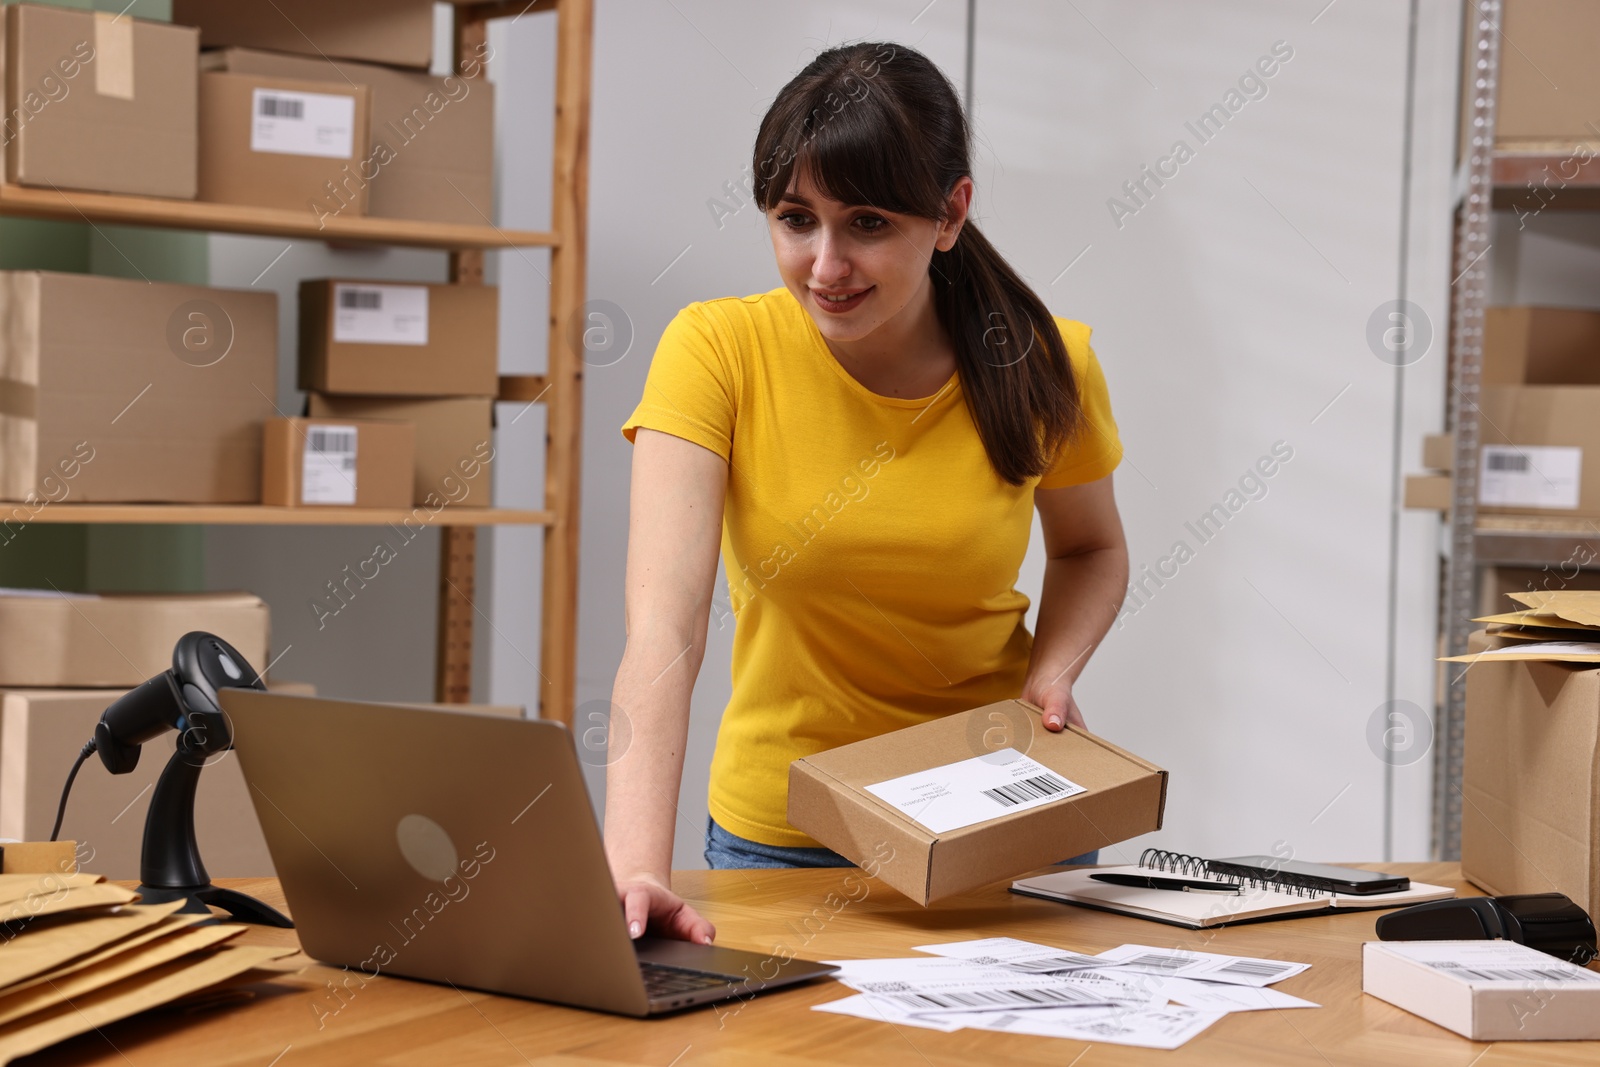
x=855, y=268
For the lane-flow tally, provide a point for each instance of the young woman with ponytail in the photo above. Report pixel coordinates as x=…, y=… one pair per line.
x=867, y=445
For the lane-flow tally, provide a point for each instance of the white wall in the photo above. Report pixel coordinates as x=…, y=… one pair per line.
x=1229, y=313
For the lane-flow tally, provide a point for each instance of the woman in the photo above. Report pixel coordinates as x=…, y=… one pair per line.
x=868, y=443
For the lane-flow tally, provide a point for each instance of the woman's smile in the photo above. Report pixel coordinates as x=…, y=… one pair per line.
x=837, y=302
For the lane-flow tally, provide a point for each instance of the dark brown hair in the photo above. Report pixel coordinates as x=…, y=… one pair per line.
x=879, y=124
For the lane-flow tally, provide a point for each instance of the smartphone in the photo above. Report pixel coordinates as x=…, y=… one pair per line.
x=1317, y=875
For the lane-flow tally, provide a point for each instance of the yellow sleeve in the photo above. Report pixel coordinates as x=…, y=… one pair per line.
x=1096, y=450
x=691, y=389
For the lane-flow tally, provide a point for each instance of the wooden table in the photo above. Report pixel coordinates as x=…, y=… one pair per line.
x=395, y=1022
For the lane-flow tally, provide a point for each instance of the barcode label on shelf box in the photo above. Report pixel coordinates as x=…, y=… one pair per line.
x=328, y=467
x=974, y=790
x=380, y=314
x=303, y=124
x=1530, y=476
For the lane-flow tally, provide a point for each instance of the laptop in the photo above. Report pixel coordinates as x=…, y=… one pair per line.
x=461, y=847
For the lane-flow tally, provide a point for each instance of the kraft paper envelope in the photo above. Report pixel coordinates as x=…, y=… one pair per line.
x=65, y=900
x=1575, y=605
x=130, y=996
x=167, y=928
x=1534, y=618
x=68, y=938
x=1539, y=651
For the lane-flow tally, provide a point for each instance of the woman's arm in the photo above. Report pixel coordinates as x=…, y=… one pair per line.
x=1085, y=579
x=674, y=529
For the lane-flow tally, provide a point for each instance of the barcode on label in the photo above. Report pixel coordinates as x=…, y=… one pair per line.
x=1506, y=461
x=1153, y=961
x=361, y=299
x=1516, y=974
x=1043, y=785
x=328, y=439
x=1055, y=963
x=988, y=998
x=1253, y=968
x=280, y=107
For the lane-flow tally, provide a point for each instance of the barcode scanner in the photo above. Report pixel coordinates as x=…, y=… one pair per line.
x=1549, y=922
x=182, y=698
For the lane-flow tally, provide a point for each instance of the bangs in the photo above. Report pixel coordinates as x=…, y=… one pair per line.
x=863, y=153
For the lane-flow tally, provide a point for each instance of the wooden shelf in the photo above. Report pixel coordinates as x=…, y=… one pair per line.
x=72, y=206
x=1561, y=181
x=1537, y=541
x=259, y=515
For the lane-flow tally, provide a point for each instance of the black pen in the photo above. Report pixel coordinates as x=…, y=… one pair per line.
x=1182, y=885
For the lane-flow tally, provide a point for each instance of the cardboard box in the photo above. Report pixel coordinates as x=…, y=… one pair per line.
x=83, y=639
x=281, y=143
x=829, y=799
x=352, y=462
x=1439, y=451
x=41, y=731
x=1485, y=990
x=454, y=438
x=1531, y=820
x=99, y=103
x=1429, y=492
x=1549, y=86
x=396, y=32
x=1541, y=345
x=431, y=151
x=392, y=339
x=1540, y=450
x=123, y=390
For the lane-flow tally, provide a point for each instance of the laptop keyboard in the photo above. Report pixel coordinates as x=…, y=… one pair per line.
x=661, y=980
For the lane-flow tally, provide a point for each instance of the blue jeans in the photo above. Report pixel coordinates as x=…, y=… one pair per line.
x=728, y=851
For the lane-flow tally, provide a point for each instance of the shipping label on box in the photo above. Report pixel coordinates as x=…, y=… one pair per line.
x=314, y=462
x=1530, y=476
x=328, y=471
x=938, y=809
x=380, y=314
x=303, y=124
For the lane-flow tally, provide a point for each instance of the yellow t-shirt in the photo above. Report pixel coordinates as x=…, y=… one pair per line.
x=871, y=549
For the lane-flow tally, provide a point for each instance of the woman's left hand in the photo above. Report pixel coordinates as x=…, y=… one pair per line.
x=1056, y=700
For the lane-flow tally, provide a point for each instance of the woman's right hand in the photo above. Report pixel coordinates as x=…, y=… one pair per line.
x=648, y=904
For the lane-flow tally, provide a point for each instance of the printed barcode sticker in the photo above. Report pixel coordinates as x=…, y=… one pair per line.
x=1206, y=966
x=981, y=999
x=1517, y=974
x=1156, y=963
x=1530, y=476
x=328, y=465
x=1253, y=968
x=292, y=123
x=974, y=790
x=380, y=314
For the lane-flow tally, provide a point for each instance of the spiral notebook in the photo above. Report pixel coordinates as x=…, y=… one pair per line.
x=1261, y=899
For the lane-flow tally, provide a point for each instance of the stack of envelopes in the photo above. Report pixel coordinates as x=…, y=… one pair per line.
x=78, y=953
x=1557, y=626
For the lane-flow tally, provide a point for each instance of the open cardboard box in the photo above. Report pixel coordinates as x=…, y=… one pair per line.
x=829, y=798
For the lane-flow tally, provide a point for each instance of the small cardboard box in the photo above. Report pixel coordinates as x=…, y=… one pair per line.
x=398, y=33
x=1531, y=778
x=454, y=438
x=86, y=639
x=1548, y=80
x=41, y=731
x=352, y=462
x=431, y=152
x=1525, y=345
x=829, y=799
x=100, y=103
x=118, y=390
x=1485, y=990
x=1540, y=450
x=389, y=339
x=282, y=143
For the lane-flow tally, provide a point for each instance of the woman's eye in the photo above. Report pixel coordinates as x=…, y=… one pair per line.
x=872, y=223
x=793, y=219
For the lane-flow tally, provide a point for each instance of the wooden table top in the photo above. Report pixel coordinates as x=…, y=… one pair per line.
x=399, y=1023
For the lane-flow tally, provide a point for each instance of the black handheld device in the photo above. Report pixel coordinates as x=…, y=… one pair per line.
x=1319, y=876
x=1549, y=922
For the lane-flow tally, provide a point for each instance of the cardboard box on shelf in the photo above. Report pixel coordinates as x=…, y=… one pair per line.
x=1524, y=345
x=1548, y=82
x=454, y=439
x=960, y=830
x=352, y=462
x=99, y=103
x=431, y=151
x=41, y=732
x=1540, y=451
x=282, y=143
x=392, y=339
x=86, y=639
x=1438, y=451
x=1531, y=818
x=1428, y=492
x=116, y=390
x=396, y=32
